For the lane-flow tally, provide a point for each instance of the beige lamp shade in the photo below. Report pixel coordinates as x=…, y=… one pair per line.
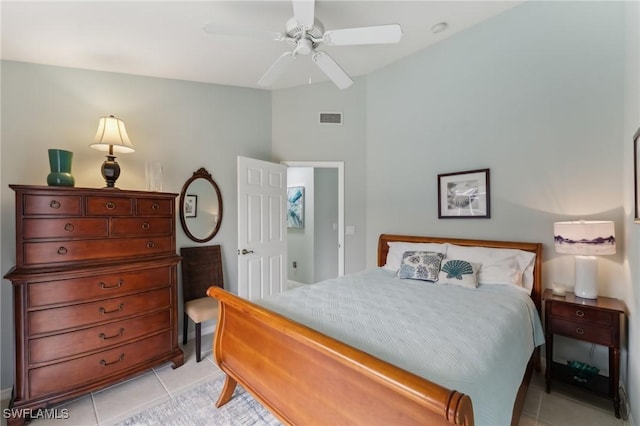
x=112, y=136
x=585, y=237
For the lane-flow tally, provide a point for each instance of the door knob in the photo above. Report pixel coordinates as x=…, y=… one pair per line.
x=245, y=251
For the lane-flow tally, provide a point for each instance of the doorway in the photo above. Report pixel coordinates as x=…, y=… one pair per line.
x=316, y=248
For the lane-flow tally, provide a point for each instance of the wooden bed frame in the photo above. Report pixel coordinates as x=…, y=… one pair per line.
x=305, y=377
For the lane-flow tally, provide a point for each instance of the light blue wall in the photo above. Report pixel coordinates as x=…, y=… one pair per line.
x=298, y=136
x=534, y=94
x=184, y=125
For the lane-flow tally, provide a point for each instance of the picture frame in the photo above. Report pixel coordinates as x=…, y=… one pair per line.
x=295, y=207
x=463, y=195
x=636, y=184
x=190, y=206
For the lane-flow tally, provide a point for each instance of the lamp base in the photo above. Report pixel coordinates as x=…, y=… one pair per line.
x=586, y=277
x=110, y=171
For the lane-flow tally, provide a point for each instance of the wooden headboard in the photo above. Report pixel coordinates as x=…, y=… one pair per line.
x=536, y=292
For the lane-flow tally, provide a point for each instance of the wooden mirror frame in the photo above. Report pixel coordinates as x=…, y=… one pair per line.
x=636, y=185
x=201, y=173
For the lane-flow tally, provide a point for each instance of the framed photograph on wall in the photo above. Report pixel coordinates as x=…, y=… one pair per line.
x=190, y=206
x=464, y=195
x=636, y=184
x=295, y=207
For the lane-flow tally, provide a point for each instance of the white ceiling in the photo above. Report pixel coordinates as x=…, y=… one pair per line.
x=166, y=39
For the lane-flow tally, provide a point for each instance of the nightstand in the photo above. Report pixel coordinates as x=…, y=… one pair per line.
x=590, y=320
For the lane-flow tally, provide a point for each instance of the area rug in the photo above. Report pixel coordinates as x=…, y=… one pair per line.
x=197, y=407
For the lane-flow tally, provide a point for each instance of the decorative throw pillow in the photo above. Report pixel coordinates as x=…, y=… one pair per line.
x=459, y=272
x=420, y=265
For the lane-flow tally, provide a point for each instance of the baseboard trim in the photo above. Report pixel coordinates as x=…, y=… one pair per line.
x=5, y=394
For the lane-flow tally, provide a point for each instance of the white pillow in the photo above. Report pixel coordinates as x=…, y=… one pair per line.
x=397, y=249
x=498, y=266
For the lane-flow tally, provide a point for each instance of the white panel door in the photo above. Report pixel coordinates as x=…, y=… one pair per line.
x=262, y=228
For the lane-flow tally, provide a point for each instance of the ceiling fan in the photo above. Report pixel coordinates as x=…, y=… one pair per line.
x=305, y=34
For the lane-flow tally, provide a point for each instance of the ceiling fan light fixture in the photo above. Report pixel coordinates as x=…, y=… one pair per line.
x=304, y=46
x=306, y=33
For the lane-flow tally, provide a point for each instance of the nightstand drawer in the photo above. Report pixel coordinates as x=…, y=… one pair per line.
x=584, y=314
x=587, y=332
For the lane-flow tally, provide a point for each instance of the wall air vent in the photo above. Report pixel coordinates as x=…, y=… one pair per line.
x=330, y=118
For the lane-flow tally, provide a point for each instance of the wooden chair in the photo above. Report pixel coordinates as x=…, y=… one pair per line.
x=201, y=269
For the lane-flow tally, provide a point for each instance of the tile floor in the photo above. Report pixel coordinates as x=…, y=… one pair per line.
x=563, y=407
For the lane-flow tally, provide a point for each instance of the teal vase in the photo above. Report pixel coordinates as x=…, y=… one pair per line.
x=60, y=163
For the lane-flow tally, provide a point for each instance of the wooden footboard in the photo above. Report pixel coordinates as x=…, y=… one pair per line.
x=305, y=377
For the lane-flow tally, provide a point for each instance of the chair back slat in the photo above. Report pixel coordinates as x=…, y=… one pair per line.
x=201, y=268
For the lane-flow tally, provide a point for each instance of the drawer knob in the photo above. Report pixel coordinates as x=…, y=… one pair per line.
x=146, y=226
x=62, y=250
x=54, y=204
x=104, y=363
x=579, y=313
x=579, y=330
x=150, y=244
x=155, y=206
x=105, y=337
x=118, y=309
x=69, y=227
x=110, y=287
x=110, y=205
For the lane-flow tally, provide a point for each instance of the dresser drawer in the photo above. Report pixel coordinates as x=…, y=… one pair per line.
x=71, y=227
x=83, y=289
x=95, y=338
x=86, y=314
x=141, y=226
x=52, y=205
x=590, y=333
x=153, y=207
x=583, y=314
x=109, y=206
x=114, y=248
x=90, y=369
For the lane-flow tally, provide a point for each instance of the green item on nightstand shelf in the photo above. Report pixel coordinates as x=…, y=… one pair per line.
x=60, y=163
x=583, y=370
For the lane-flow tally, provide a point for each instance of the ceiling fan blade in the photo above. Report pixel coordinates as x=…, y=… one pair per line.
x=303, y=11
x=332, y=69
x=380, y=34
x=218, y=29
x=276, y=69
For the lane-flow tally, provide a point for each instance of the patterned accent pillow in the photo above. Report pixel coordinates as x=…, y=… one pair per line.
x=459, y=272
x=420, y=265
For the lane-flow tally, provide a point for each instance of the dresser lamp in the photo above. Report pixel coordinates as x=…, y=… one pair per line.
x=585, y=240
x=111, y=137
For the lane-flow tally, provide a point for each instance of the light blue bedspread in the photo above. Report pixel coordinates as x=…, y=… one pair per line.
x=474, y=341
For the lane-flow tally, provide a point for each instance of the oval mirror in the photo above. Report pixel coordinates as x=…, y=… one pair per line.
x=200, y=207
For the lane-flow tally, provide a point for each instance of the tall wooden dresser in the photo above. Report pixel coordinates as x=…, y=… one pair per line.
x=95, y=297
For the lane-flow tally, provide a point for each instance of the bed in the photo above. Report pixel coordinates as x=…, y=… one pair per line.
x=310, y=372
